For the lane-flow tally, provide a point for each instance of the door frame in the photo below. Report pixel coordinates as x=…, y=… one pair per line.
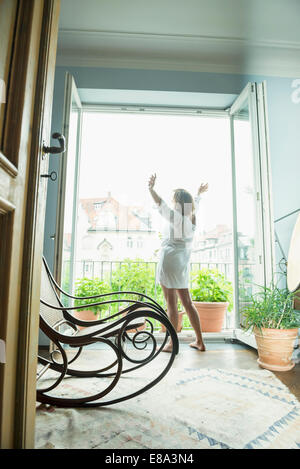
x=35, y=211
x=71, y=93
x=255, y=93
x=266, y=183
x=27, y=123
x=260, y=146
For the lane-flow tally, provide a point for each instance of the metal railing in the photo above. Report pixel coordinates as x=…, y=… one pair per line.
x=110, y=272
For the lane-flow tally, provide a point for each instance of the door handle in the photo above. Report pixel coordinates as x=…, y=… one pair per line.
x=56, y=150
x=52, y=176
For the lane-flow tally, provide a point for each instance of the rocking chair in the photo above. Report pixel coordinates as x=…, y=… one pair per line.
x=113, y=331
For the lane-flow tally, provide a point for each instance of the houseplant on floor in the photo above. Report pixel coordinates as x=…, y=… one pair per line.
x=212, y=295
x=90, y=287
x=270, y=315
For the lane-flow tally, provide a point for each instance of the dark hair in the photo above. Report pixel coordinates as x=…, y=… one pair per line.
x=182, y=197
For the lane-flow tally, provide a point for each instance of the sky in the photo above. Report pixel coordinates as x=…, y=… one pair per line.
x=120, y=152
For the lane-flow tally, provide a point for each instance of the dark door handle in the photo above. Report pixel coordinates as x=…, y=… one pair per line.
x=56, y=150
x=52, y=176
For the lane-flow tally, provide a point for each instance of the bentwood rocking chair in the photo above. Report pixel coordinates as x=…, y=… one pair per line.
x=113, y=332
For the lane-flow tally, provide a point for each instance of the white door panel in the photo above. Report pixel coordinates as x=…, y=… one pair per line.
x=253, y=239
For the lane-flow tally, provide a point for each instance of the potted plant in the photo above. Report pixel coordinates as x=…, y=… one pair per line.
x=90, y=287
x=271, y=316
x=180, y=320
x=137, y=276
x=212, y=295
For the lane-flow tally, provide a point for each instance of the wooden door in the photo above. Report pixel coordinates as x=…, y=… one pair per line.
x=28, y=37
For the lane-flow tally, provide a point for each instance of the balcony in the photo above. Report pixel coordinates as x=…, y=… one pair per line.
x=140, y=276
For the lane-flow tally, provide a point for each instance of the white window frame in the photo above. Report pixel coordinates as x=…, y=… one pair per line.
x=255, y=93
x=261, y=146
x=71, y=93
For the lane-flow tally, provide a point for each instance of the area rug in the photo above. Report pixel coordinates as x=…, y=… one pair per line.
x=190, y=409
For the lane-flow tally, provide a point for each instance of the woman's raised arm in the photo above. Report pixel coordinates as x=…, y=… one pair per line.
x=151, y=184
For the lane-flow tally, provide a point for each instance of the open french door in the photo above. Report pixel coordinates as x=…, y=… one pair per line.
x=68, y=188
x=253, y=226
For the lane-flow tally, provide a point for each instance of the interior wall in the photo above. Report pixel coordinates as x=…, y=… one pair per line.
x=284, y=125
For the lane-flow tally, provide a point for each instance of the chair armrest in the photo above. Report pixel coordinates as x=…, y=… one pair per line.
x=140, y=295
x=134, y=305
x=104, y=295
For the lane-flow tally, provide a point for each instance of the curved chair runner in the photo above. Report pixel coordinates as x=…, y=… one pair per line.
x=113, y=331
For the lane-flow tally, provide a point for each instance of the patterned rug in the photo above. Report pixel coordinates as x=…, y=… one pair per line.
x=190, y=409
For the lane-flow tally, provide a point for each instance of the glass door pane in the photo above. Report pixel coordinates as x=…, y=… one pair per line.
x=248, y=214
x=65, y=241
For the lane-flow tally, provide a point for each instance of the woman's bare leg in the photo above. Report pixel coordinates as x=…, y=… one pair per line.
x=170, y=295
x=192, y=313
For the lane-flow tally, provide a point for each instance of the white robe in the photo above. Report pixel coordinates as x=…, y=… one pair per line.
x=173, y=270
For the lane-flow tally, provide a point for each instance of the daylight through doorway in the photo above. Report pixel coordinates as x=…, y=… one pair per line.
x=118, y=230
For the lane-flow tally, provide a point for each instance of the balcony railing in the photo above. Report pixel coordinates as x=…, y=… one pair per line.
x=111, y=271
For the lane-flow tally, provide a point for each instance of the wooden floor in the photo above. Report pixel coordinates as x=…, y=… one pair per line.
x=227, y=355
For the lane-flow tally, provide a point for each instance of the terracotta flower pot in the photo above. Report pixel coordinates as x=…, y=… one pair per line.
x=275, y=348
x=140, y=328
x=86, y=315
x=211, y=315
x=179, y=325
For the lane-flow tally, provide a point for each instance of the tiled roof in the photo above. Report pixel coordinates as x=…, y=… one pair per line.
x=108, y=213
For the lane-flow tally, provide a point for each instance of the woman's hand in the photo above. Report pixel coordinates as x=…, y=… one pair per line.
x=203, y=188
x=152, y=181
x=151, y=185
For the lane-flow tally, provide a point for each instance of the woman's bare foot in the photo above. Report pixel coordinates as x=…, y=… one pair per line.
x=168, y=348
x=199, y=346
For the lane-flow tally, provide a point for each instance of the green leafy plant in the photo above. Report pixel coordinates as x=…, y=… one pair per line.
x=91, y=287
x=271, y=308
x=135, y=275
x=211, y=285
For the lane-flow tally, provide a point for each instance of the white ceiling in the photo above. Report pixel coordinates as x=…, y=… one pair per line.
x=254, y=36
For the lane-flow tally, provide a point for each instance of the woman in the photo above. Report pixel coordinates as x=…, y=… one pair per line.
x=173, y=266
